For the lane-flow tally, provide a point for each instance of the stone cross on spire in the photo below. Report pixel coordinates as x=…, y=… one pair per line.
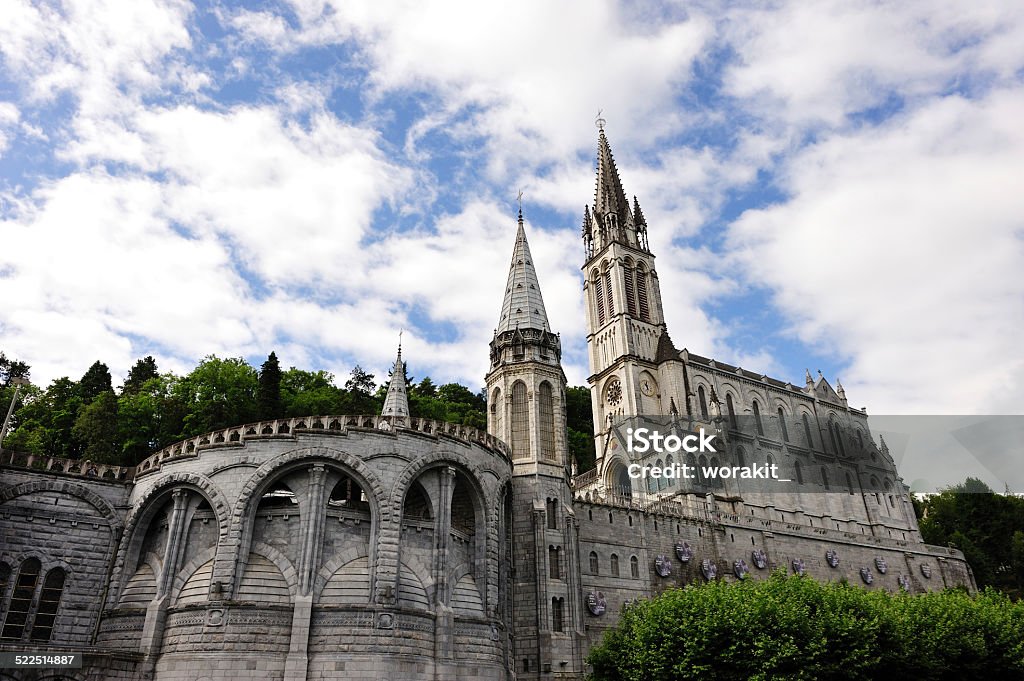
x=523, y=306
x=396, y=402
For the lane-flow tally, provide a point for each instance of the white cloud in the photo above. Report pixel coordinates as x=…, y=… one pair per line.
x=900, y=247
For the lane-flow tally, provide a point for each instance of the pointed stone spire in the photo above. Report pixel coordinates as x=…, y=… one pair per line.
x=609, y=196
x=523, y=307
x=638, y=215
x=840, y=390
x=808, y=379
x=396, y=402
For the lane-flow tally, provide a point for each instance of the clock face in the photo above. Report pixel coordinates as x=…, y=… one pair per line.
x=614, y=393
x=646, y=388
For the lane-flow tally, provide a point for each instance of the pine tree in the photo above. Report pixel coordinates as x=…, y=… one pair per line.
x=268, y=396
x=143, y=370
x=95, y=382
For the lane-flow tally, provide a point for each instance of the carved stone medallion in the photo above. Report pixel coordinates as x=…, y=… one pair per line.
x=663, y=566
x=832, y=558
x=739, y=568
x=881, y=565
x=865, y=574
x=683, y=552
x=708, y=569
x=596, y=603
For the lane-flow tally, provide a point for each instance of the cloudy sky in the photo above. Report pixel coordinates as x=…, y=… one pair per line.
x=832, y=185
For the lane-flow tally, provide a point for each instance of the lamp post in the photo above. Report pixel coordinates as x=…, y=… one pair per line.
x=18, y=381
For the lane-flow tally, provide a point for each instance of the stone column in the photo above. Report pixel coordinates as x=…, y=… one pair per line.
x=445, y=621
x=156, y=613
x=312, y=539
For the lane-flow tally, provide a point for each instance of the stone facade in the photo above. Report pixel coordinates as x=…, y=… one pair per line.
x=392, y=547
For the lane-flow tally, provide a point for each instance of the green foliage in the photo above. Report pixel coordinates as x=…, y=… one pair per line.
x=796, y=628
x=216, y=394
x=96, y=427
x=979, y=522
x=579, y=417
x=11, y=368
x=95, y=381
x=304, y=393
x=144, y=370
x=450, y=402
x=268, y=395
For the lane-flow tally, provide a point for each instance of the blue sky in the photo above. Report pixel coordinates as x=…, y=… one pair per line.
x=832, y=185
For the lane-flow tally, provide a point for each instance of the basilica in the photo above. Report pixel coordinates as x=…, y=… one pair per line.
x=393, y=547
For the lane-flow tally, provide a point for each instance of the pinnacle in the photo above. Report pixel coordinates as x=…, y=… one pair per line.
x=523, y=306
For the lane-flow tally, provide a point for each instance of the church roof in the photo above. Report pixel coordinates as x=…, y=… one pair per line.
x=396, y=402
x=523, y=307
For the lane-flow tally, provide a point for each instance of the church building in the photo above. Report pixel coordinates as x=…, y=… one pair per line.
x=395, y=547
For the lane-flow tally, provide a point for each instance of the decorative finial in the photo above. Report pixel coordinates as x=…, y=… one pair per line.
x=400, y=332
x=519, y=199
x=599, y=121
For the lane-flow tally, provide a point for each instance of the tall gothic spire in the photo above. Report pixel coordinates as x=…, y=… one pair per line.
x=396, y=403
x=609, y=196
x=523, y=307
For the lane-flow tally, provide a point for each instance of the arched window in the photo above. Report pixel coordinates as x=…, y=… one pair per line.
x=21, y=600
x=49, y=602
x=609, y=298
x=757, y=419
x=807, y=431
x=741, y=459
x=554, y=569
x=552, y=513
x=556, y=615
x=595, y=568
x=824, y=478
x=634, y=567
x=832, y=436
x=703, y=402
x=782, y=425
x=860, y=439
x=652, y=482
x=641, y=293
x=731, y=410
x=615, y=565
x=497, y=413
x=627, y=275
x=849, y=482
x=669, y=463
x=598, y=284
x=799, y=473
x=520, y=422
x=546, y=430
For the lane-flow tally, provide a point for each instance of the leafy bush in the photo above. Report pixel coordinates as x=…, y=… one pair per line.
x=796, y=628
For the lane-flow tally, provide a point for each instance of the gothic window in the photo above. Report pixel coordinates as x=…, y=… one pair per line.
x=21, y=600
x=627, y=272
x=824, y=478
x=5, y=579
x=641, y=293
x=702, y=398
x=782, y=425
x=520, y=422
x=552, y=514
x=807, y=431
x=860, y=439
x=757, y=419
x=669, y=463
x=849, y=482
x=832, y=436
x=634, y=567
x=799, y=473
x=556, y=614
x=609, y=298
x=497, y=412
x=554, y=569
x=49, y=601
x=615, y=565
x=652, y=482
x=740, y=459
x=594, y=567
x=546, y=421
x=702, y=463
x=660, y=482
x=731, y=410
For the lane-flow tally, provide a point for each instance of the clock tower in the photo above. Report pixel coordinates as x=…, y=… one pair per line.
x=634, y=366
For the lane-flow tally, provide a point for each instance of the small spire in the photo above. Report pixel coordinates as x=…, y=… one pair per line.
x=638, y=215
x=396, y=402
x=807, y=377
x=839, y=389
x=523, y=304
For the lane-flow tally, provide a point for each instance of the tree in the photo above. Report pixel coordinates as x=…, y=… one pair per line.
x=216, y=394
x=579, y=418
x=268, y=397
x=309, y=393
x=359, y=389
x=149, y=418
x=96, y=427
x=144, y=370
x=11, y=368
x=425, y=388
x=95, y=381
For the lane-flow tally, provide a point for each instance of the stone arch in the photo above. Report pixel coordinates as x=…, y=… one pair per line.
x=188, y=569
x=339, y=560
x=291, y=576
x=64, y=487
x=239, y=537
x=616, y=473
x=148, y=505
x=473, y=471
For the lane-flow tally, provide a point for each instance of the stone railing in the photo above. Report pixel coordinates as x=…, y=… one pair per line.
x=585, y=479
x=79, y=467
x=275, y=428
